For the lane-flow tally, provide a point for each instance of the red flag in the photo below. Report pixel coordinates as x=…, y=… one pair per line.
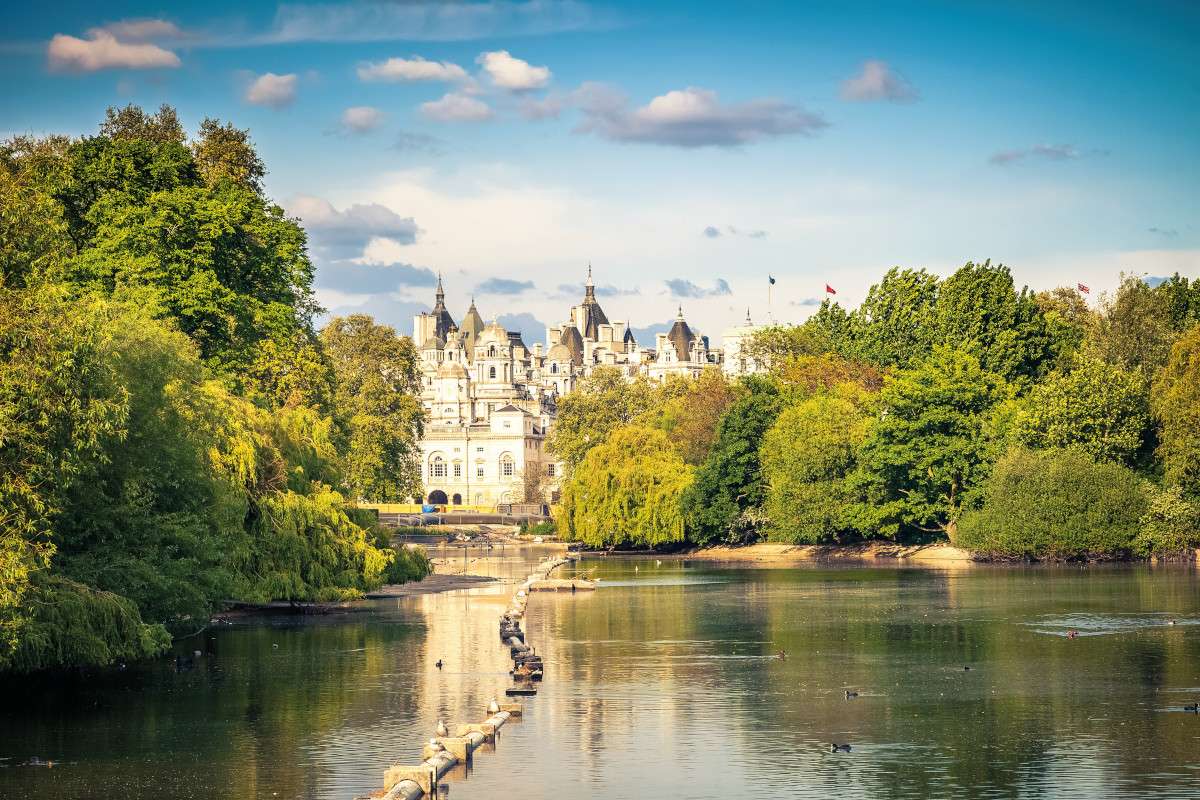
x=1083, y=288
x=829, y=289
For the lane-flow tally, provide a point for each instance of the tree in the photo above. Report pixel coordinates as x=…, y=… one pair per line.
x=378, y=382
x=806, y=456
x=926, y=450
x=690, y=418
x=626, y=491
x=1176, y=406
x=224, y=153
x=730, y=482
x=979, y=309
x=1068, y=320
x=131, y=122
x=600, y=403
x=32, y=232
x=1170, y=526
x=1055, y=504
x=776, y=345
x=1095, y=406
x=894, y=324
x=805, y=376
x=1134, y=329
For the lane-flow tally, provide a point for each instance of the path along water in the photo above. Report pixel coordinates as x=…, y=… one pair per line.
x=666, y=682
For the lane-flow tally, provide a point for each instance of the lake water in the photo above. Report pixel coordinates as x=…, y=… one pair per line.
x=665, y=682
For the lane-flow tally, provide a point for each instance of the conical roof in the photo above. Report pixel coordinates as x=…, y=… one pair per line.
x=472, y=326
x=593, y=314
x=444, y=321
x=573, y=342
x=681, y=337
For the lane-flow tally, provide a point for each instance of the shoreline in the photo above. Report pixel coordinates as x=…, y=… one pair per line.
x=431, y=584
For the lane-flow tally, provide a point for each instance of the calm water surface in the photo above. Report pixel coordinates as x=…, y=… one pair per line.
x=665, y=683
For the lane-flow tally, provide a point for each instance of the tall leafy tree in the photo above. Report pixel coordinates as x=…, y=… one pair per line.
x=1135, y=327
x=378, y=382
x=730, y=481
x=1094, y=406
x=626, y=491
x=895, y=323
x=600, y=403
x=1176, y=406
x=926, y=450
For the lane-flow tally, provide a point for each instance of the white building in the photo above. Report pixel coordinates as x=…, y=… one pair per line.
x=734, y=361
x=490, y=400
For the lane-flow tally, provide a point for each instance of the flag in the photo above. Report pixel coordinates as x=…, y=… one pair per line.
x=771, y=279
x=1083, y=288
x=829, y=289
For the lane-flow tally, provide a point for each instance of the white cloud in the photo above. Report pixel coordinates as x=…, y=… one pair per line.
x=269, y=89
x=454, y=107
x=411, y=69
x=102, y=50
x=338, y=235
x=877, y=81
x=1049, y=152
x=690, y=117
x=360, y=119
x=512, y=73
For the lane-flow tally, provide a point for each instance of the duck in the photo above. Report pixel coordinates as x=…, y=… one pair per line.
x=1170, y=622
x=441, y=729
x=782, y=654
x=851, y=694
x=966, y=668
x=1071, y=634
x=438, y=663
x=1194, y=708
x=839, y=748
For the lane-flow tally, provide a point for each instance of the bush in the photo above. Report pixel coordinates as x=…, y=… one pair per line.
x=1170, y=526
x=407, y=563
x=1055, y=504
x=544, y=528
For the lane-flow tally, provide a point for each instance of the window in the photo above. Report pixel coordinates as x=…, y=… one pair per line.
x=550, y=470
x=479, y=470
x=457, y=470
x=478, y=449
x=554, y=369
x=507, y=467
x=437, y=467
x=491, y=372
x=508, y=423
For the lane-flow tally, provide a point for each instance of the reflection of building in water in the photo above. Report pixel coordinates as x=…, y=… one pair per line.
x=491, y=399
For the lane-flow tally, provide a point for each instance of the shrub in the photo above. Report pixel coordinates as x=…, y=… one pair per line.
x=1055, y=504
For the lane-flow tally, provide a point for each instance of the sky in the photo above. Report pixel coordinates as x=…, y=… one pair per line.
x=686, y=150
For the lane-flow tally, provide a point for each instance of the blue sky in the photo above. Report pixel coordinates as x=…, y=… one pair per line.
x=687, y=150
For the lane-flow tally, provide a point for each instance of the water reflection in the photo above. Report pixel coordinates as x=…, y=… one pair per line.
x=666, y=681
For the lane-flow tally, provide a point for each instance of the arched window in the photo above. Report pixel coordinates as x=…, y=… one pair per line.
x=554, y=369
x=437, y=467
x=458, y=469
x=507, y=466
x=491, y=372
x=492, y=351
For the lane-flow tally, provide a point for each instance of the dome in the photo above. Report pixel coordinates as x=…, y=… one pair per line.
x=493, y=334
x=434, y=342
x=451, y=369
x=560, y=352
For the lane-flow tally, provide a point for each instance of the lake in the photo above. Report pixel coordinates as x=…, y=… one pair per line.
x=665, y=682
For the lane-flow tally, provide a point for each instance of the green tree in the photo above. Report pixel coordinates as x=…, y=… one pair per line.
x=1176, y=406
x=131, y=122
x=1134, y=328
x=926, y=451
x=1055, y=504
x=806, y=457
x=1095, y=406
x=895, y=323
x=626, y=491
x=1170, y=526
x=225, y=154
x=690, y=418
x=776, y=345
x=979, y=309
x=378, y=383
x=730, y=483
x=600, y=403
x=1068, y=320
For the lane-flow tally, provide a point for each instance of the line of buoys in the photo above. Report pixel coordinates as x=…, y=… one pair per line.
x=401, y=782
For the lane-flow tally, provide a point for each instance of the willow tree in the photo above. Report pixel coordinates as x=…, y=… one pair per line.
x=626, y=491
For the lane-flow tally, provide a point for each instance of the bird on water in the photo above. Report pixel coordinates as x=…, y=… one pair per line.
x=441, y=729
x=851, y=694
x=438, y=663
x=839, y=748
x=1194, y=708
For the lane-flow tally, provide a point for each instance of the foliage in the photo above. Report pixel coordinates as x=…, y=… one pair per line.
x=805, y=376
x=926, y=450
x=776, y=345
x=1068, y=320
x=601, y=403
x=1176, y=405
x=690, y=417
x=896, y=321
x=378, y=382
x=75, y=624
x=1055, y=504
x=626, y=491
x=1170, y=526
x=1134, y=328
x=1095, y=406
x=224, y=154
x=730, y=482
x=806, y=456
x=545, y=527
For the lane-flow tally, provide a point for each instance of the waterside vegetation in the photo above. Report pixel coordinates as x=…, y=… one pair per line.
x=1013, y=423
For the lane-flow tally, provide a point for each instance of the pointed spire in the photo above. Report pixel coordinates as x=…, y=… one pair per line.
x=441, y=293
x=680, y=315
x=748, y=322
x=589, y=277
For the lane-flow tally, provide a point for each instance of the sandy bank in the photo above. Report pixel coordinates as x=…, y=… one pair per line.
x=431, y=585
x=768, y=553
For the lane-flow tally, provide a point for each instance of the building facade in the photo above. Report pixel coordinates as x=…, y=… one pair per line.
x=491, y=400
